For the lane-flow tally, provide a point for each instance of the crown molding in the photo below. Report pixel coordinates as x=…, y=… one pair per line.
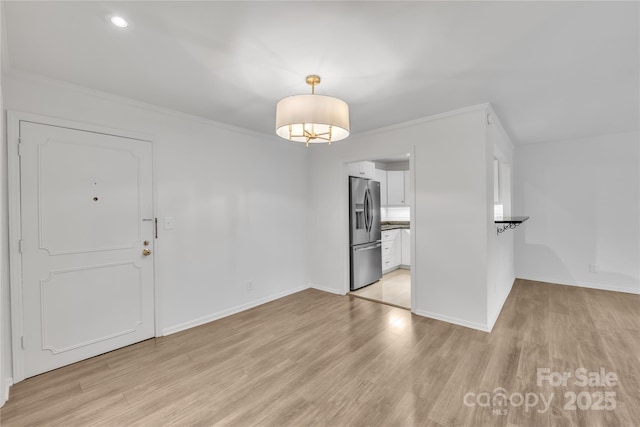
x=422, y=120
x=47, y=81
x=42, y=80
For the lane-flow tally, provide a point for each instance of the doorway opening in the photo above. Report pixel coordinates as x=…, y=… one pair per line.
x=393, y=287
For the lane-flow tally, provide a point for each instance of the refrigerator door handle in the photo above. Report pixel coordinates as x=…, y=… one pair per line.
x=368, y=248
x=368, y=208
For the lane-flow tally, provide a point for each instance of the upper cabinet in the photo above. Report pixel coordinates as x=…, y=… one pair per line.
x=362, y=169
x=381, y=176
x=395, y=188
x=395, y=185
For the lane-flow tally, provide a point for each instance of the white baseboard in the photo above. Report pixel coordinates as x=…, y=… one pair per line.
x=6, y=385
x=228, y=312
x=454, y=320
x=582, y=285
x=397, y=267
x=324, y=289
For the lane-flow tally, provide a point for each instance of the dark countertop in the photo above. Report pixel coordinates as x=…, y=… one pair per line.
x=511, y=220
x=394, y=225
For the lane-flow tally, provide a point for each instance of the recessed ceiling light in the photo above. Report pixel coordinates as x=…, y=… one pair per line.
x=119, y=21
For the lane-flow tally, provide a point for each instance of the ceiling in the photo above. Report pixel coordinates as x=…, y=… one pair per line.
x=552, y=70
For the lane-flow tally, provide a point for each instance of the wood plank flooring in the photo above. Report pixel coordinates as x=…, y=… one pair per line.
x=317, y=359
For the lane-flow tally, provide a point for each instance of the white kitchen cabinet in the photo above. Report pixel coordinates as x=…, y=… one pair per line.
x=368, y=169
x=408, y=189
x=388, y=256
x=395, y=188
x=381, y=176
x=388, y=235
x=354, y=169
x=362, y=169
x=391, y=250
x=405, y=237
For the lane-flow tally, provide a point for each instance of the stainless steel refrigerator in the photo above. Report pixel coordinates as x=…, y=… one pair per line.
x=364, y=232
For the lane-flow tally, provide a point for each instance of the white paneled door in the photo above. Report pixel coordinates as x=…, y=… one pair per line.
x=87, y=244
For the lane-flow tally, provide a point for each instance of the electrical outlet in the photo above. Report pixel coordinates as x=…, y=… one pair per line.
x=594, y=268
x=249, y=285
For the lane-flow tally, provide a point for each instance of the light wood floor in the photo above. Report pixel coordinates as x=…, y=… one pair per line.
x=393, y=288
x=315, y=358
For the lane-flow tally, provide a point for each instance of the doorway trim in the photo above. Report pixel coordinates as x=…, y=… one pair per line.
x=14, y=210
x=345, y=221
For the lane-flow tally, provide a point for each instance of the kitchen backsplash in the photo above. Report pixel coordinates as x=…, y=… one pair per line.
x=395, y=213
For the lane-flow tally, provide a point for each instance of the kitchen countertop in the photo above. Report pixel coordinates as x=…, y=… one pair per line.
x=393, y=225
x=511, y=220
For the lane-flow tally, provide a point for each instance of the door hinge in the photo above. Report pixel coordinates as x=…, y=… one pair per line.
x=20, y=246
x=22, y=341
x=19, y=147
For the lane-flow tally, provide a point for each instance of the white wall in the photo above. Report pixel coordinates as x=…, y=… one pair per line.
x=583, y=199
x=449, y=214
x=500, y=259
x=239, y=201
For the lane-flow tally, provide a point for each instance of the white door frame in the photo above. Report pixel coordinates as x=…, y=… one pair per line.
x=15, y=258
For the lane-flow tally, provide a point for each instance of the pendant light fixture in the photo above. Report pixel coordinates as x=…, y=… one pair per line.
x=312, y=118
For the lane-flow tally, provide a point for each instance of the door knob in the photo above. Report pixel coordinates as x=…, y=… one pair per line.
x=146, y=252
